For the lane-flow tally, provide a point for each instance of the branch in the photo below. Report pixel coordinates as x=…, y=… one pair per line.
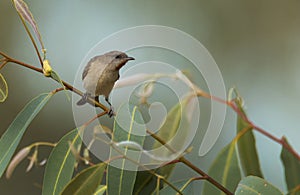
x=191, y=165
x=281, y=141
x=67, y=85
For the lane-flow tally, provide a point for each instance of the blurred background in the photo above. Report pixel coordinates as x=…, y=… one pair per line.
x=256, y=45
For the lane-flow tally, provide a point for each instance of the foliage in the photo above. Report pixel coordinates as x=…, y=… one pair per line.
x=236, y=169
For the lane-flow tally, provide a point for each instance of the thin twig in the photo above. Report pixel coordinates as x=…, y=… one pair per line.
x=191, y=165
x=264, y=132
x=67, y=85
x=3, y=63
x=94, y=118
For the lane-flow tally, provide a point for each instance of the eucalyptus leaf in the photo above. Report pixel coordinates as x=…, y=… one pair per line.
x=60, y=166
x=121, y=173
x=225, y=169
x=87, y=181
x=12, y=136
x=26, y=15
x=3, y=89
x=145, y=183
x=291, y=168
x=174, y=132
x=253, y=185
x=246, y=146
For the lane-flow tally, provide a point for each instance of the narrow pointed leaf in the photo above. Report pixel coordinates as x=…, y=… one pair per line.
x=3, y=89
x=86, y=182
x=225, y=169
x=121, y=173
x=253, y=185
x=60, y=166
x=12, y=136
x=26, y=15
x=247, y=148
x=291, y=168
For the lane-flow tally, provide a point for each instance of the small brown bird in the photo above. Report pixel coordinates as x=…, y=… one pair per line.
x=100, y=75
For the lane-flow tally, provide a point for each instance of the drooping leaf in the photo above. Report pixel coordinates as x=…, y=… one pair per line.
x=60, y=166
x=121, y=173
x=225, y=169
x=253, y=185
x=3, y=89
x=247, y=147
x=12, y=136
x=86, y=182
x=291, y=168
x=184, y=186
x=26, y=15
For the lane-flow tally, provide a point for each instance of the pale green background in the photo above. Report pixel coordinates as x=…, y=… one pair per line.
x=255, y=43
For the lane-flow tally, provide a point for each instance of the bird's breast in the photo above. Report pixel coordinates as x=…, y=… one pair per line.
x=101, y=84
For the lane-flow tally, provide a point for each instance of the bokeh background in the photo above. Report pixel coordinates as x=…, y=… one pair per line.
x=256, y=45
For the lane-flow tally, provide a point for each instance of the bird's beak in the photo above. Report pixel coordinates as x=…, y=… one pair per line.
x=124, y=60
x=130, y=58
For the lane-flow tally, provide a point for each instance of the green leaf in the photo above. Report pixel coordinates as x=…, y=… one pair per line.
x=225, y=169
x=145, y=183
x=291, y=168
x=26, y=15
x=184, y=186
x=55, y=76
x=174, y=131
x=60, y=165
x=3, y=89
x=11, y=138
x=100, y=190
x=87, y=181
x=253, y=185
x=247, y=148
x=121, y=173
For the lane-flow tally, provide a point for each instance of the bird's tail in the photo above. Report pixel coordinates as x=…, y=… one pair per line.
x=81, y=102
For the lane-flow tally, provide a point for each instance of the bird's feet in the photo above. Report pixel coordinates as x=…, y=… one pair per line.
x=83, y=99
x=111, y=112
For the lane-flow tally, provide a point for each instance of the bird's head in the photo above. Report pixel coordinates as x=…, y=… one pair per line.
x=118, y=59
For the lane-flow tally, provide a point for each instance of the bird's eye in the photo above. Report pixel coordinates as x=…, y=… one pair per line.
x=118, y=56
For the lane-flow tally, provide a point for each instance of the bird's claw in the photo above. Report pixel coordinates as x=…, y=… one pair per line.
x=111, y=112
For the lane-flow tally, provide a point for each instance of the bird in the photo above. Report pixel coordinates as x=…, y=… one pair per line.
x=100, y=75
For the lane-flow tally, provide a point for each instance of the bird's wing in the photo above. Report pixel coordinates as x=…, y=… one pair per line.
x=87, y=67
x=86, y=70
